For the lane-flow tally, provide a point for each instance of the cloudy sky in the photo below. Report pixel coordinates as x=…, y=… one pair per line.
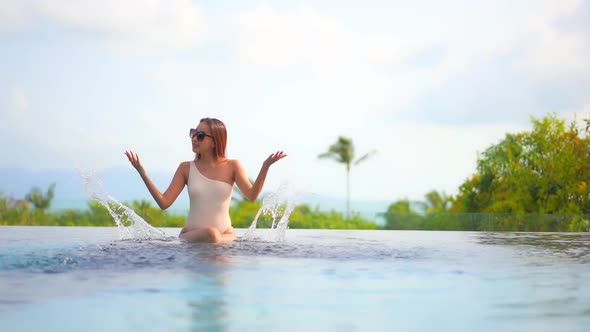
x=426, y=83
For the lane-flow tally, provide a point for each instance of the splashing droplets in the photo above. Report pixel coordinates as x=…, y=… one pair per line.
x=130, y=225
x=277, y=204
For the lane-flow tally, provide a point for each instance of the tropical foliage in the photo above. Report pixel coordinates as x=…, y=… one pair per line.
x=542, y=171
x=40, y=200
x=530, y=181
x=242, y=213
x=343, y=152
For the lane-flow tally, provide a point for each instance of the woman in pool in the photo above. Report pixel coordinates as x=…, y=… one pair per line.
x=210, y=178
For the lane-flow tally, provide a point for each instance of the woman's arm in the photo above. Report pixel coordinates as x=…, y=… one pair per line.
x=176, y=185
x=249, y=190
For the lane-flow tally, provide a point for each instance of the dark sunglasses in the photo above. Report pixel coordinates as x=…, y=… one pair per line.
x=200, y=134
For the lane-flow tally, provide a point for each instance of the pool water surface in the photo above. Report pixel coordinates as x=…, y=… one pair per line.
x=85, y=279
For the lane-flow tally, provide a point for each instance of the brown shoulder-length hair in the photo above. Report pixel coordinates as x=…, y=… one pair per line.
x=219, y=134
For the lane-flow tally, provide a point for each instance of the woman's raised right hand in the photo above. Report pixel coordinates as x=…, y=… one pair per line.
x=134, y=160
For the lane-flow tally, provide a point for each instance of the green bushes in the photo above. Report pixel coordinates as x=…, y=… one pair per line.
x=493, y=222
x=399, y=216
x=304, y=217
x=242, y=213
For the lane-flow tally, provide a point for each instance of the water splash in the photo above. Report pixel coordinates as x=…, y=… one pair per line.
x=130, y=225
x=279, y=205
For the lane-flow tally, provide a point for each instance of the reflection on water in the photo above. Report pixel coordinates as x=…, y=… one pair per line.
x=209, y=308
x=542, y=277
x=575, y=246
x=116, y=255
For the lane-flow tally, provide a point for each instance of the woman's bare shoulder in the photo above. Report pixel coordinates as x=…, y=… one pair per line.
x=234, y=163
x=184, y=166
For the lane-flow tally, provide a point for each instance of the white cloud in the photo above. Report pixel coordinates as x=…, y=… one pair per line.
x=14, y=15
x=19, y=101
x=548, y=9
x=556, y=53
x=306, y=36
x=358, y=67
x=302, y=36
x=553, y=50
x=132, y=26
x=500, y=57
x=386, y=71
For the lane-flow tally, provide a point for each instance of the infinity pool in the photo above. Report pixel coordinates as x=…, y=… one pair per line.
x=84, y=279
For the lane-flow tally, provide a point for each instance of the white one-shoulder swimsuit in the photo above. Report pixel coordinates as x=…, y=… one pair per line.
x=209, y=201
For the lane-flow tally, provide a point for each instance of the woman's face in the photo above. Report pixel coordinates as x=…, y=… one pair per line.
x=207, y=143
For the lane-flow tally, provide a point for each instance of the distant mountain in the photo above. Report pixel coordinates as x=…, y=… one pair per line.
x=125, y=185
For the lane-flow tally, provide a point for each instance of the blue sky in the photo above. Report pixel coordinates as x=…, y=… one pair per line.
x=428, y=84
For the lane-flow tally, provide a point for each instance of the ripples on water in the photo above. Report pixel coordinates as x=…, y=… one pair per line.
x=572, y=246
x=173, y=253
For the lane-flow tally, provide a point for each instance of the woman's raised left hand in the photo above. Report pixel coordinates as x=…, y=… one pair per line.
x=273, y=158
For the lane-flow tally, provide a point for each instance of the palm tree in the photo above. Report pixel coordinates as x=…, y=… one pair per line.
x=40, y=200
x=343, y=152
x=437, y=202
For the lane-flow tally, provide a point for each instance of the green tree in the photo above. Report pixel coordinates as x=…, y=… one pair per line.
x=437, y=202
x=401, y=215
x=142, y=207
x=242, y=212
x=343, y=152
x=543, y=171
x=40, y=200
